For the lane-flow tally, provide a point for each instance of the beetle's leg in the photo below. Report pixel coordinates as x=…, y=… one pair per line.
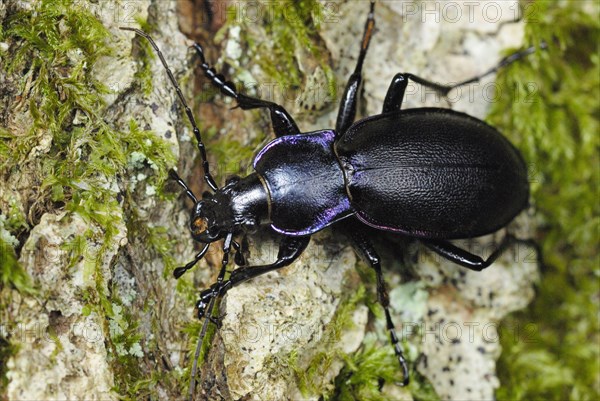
x=366, y=249
x=511, y=58
x=469, y=260
x=347, y=110
x=283, y=123
x=397, y=88
x=395, y=93
x=241, y=251
x=214, y=291
x=290, y=249
x=207, y=306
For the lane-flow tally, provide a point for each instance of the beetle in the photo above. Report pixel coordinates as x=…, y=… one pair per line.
x=432, y=174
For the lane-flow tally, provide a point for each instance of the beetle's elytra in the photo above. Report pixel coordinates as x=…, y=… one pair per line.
x=431, y=174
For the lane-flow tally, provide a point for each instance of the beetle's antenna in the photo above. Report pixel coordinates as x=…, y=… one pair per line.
x=178, y=272
x=207, y=176
x=174, y=176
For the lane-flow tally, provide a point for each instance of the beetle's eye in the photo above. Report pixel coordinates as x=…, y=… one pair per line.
x=199, y=225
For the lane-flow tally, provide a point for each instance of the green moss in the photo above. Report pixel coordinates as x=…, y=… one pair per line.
x=145, y=56
x=5, y=150
x=7, y=350
x=552, y=113
x=11, y=272
x=289, y=26
x=56, y=49
x=375, y=363
x=233, y=157
x=369, y=368
x=56, y=45
x=126, y=352
x=124, y=348
x=364, y=371
x=52, y=49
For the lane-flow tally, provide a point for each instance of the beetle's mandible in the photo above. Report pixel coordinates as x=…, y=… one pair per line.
x=428, y=173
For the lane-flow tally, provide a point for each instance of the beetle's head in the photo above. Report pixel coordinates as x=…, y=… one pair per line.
x=209, y=220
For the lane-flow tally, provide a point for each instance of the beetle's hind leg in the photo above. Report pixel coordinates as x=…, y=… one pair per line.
x=283, y=123
x=474, y=262
x=395, y=94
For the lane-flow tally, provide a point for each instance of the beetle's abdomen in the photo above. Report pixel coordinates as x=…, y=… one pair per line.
x=305, y=182
x=432, y=173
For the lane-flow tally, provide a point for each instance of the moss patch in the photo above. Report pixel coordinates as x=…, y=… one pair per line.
x=6, y=351
x=553, y=115
x=308, y=379
x=289, y=26
x=51, y=51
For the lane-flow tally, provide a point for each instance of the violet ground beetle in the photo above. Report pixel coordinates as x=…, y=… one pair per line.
x=428, y=173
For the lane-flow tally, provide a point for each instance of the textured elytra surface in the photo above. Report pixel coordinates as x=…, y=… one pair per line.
x=433, y=173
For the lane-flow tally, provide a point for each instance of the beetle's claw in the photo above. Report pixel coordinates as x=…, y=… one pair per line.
x=240, y=259
x=178, y=272
x=217, y=320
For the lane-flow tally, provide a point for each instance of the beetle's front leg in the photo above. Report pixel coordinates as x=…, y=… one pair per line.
x=290, y=249
x=283, y=123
